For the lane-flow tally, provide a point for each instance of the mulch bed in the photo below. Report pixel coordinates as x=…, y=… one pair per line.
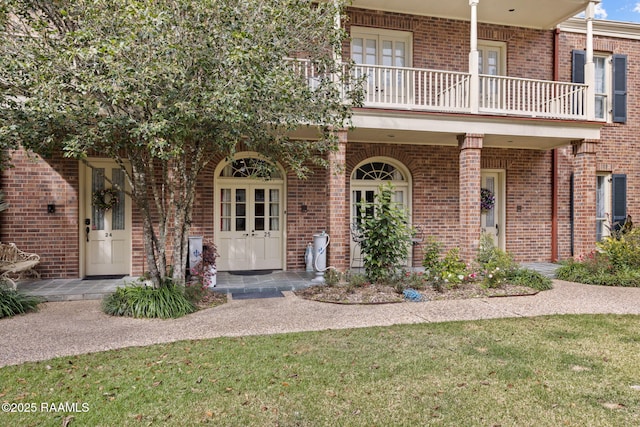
x=377, y=294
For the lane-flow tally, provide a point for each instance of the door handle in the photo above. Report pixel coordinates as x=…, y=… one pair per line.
x=497, y=230
x=87, y=230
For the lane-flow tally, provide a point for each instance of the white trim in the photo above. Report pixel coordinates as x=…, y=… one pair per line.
x=614, y=29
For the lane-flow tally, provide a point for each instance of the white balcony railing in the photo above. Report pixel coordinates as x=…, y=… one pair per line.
x=534, y=98
x=446, y=91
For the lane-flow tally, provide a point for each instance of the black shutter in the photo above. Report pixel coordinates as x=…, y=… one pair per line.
x=577, y=70
x=618, y=200
x=620, y=88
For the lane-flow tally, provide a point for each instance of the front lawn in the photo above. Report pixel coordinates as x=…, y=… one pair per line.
x=546, y=371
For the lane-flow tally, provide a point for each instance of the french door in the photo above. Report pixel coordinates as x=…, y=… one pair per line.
x=386, y=49
x=107, y=223
x=249, y=226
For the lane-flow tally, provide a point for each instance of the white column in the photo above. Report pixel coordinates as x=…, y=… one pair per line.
x=474, y=83
x=589, y=65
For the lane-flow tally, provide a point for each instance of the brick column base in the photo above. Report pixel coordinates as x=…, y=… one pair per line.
x=470, y=179
x=338, y=206
x=584, y=196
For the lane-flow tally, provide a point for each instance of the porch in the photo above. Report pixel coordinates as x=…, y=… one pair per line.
x=55, y=290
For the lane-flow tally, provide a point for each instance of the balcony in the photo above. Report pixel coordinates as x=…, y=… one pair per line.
x=414, y=89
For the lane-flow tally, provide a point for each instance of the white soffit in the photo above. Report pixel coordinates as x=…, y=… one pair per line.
x=543, y=14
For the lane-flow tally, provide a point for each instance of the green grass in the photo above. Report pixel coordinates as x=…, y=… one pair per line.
x=546, y=371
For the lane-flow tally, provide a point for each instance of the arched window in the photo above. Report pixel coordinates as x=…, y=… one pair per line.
x=378, y=171
x=250, y=167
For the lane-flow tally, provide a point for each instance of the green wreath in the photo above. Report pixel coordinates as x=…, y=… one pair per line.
x=105, y=199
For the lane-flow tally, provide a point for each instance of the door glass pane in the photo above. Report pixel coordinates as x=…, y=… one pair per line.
x=399, y=60
x=97, y=184
x=490, y=214
x=387, y=53
x=357, y=53
x=274, y=210
x=117, y=181
x=225, y=209
x=241, y=209
x=492, y=63
x=371, y=52
x=259, y=209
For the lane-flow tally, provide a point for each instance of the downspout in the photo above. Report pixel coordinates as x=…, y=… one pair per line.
x=555, y=155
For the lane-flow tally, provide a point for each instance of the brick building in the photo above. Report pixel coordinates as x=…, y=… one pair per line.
x=461, y=95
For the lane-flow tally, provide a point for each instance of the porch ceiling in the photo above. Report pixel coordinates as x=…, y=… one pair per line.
x=397, y=127
x=544, y=14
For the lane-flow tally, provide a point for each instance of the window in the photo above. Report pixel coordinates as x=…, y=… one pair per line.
x=610, y=84
x=601, y=87
x=372, y=46
x=611, y=203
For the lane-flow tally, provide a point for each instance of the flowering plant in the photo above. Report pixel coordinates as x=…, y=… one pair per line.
x=487, y=199
x=105, y=199
x=204, y=270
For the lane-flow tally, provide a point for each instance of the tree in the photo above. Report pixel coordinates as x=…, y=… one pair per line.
x=166, y=85
x=386, y=235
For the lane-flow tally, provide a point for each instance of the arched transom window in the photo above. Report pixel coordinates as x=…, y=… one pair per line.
x=378, y=171
x=250, y=167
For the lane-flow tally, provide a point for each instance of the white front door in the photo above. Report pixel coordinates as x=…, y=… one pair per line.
x=249, y=234
x=492, y=219
x=106, y=231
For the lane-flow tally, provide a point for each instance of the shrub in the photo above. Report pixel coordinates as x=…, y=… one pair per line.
x=332, y=277
x=195, y=291
x=357, y=280
x=530, y=278
x=623, y=249
x=387, y=236
x=415, y=280
x=431, y=254
x=447, y=272
x=142, y=301
x=13, y=302
x=495, y=264
x=597, y=270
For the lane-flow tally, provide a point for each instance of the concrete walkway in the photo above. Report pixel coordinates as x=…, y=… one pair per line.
x=77, y=327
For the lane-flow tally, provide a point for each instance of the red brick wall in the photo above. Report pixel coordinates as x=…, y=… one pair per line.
x=435, y=192
x=618, y=150
x=29, y=187
x=443, y=44
x=311, y=194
